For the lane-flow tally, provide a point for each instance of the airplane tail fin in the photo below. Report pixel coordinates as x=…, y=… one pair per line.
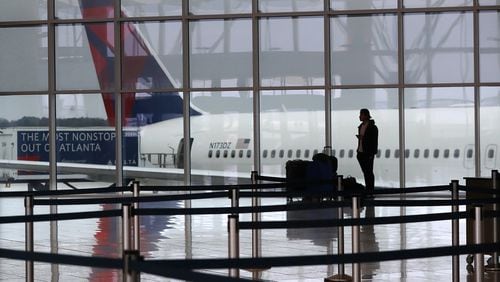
x=140, y=67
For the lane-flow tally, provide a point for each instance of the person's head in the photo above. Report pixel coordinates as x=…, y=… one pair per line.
x=364, y=115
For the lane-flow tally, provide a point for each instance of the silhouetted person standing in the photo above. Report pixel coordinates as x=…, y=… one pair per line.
x=367, y=147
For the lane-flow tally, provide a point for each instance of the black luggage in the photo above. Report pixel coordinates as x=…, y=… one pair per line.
x=296, y=173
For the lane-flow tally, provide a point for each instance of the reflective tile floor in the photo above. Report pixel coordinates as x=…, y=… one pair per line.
x=205, y=236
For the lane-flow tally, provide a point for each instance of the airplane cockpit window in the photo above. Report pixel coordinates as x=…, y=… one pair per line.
x=306, y=153
x=282, y=153
x=225, y=153
x=407, y=153
x=351, y=153
x=249, y=153
x=396, y=153
x=446, y=153
x=297, y=154
x=342, y=152
x=233, y=154
x=264, y=154
x=416, y=154
x=273, y=154
x=290, y=154
x=456, y=153
x=217, y=154
x=378, y=153
x=436, y=153
x=210, y=154
x=387, y=153
x=426, y=153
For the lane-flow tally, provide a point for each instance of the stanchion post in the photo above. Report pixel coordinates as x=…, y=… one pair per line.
x=340, y=229
x=130, y=274
x=478, y=239
x=340, y=276
x=28, y=204
x=356, y=267
x=126, y=244
x=455, y=235
x=255, y=218
x=495, y=185
x=135, y=217
x=234, y=245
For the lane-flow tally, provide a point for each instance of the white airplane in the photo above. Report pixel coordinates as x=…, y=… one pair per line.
x=438, y=147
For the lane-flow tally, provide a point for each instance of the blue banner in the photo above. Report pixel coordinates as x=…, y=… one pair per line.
x=83, y=146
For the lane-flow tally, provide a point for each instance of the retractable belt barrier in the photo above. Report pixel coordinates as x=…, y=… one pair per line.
x=133, y=264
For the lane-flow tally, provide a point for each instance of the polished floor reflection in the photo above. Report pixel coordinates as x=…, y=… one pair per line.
x=205, y=236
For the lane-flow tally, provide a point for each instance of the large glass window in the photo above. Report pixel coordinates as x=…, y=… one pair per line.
x=490, y=113
x=22, y=135
x=224, y=123
x=81, y=9
x=364, y=50
x=26, y=10
x=145, y=8
x=152, y=55
x=435, y=3
x=291, y=51
x=489, y=44
x=292, y=121
x=23, y=60
x=438, y=48
x=382, y=104
x=80, y=63
x=363, y=5
x=439, y=119
x=289, y=5
x=200, y=7
x=84, y=134
x=221, y=53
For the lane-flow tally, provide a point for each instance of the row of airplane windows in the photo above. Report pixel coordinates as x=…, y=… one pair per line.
x=342, y=153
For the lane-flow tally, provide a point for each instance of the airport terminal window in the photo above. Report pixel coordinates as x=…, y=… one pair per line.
x=264, y=154
x=209, y=154
x=290, y=154
x=407, y=153
x=396, y=153
x=297, y=154
x=436, y=153
x=249, y=153
x=306, y=153
x=273, y=154
x=416, y=154
x=240, y=154
x=225, y=153
x=217, y=154
x=426, y=153
x=456, y=153
x=282, y=153
x=446, y=153
x=351, y=153
x=233, y=154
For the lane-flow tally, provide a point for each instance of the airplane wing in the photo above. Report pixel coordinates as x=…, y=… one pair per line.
x=100, y=172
